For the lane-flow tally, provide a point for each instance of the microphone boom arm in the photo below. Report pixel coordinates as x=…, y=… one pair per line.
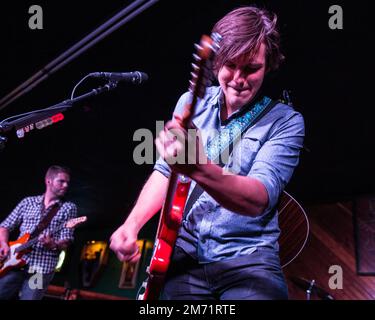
x=32, y=117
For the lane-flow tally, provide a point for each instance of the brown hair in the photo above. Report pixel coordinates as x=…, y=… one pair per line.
x=54, y=170
x=243, y=30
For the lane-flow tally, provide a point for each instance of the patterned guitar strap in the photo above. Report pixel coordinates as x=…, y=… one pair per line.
x=223, y=143
x=45, y=220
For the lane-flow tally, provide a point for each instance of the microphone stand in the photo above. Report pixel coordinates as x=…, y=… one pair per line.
x=309, y=290
x=32, y=117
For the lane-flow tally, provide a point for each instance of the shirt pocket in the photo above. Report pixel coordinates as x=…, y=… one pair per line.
x=243, y=155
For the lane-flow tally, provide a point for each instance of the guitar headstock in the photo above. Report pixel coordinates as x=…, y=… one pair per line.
x=202, y=64
x=75, y=222
x=201, y=74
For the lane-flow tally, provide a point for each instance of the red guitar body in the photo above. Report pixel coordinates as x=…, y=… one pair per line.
x=169, y=225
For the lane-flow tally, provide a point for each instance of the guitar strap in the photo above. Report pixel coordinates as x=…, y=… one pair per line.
x=219, y=145
x=44, y=222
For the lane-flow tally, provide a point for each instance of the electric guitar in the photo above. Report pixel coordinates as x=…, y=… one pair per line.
x=23, y=244
x=178, y=186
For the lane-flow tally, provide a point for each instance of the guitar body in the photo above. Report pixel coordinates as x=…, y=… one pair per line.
x=169, y=224
x=14, y=259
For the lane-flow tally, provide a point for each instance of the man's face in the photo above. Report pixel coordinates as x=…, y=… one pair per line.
x=241, y=79
x=58, y=185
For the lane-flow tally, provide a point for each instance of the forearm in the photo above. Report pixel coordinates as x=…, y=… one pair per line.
x=4, y=234
x=149, y=201
x=241, y=194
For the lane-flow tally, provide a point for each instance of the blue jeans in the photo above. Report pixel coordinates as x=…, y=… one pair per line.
x=18, y=284
x=257, y=276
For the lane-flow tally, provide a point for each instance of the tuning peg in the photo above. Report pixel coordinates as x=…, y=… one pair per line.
x=216, y=41
x=198, y=47
x=193, y=75
x=195, y=67
x=196, y=57
x=214, y=47
x=216, y=37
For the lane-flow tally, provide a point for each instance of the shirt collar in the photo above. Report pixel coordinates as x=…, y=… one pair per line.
x=219, y=99
x=39, y=199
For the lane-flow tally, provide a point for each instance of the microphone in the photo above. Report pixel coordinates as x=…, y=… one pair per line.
x=135, y=77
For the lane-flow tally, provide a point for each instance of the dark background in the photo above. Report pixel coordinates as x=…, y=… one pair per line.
x=328, y=72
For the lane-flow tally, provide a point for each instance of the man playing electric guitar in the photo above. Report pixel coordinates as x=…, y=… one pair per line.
x=227, y=245
x=39, y=216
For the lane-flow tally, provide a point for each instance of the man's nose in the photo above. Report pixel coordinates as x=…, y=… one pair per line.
x=239, y=75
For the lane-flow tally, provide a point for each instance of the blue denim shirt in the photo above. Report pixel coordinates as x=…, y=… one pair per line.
x=268, y=152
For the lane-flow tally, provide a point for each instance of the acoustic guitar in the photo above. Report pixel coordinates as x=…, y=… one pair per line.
x=294, y=228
